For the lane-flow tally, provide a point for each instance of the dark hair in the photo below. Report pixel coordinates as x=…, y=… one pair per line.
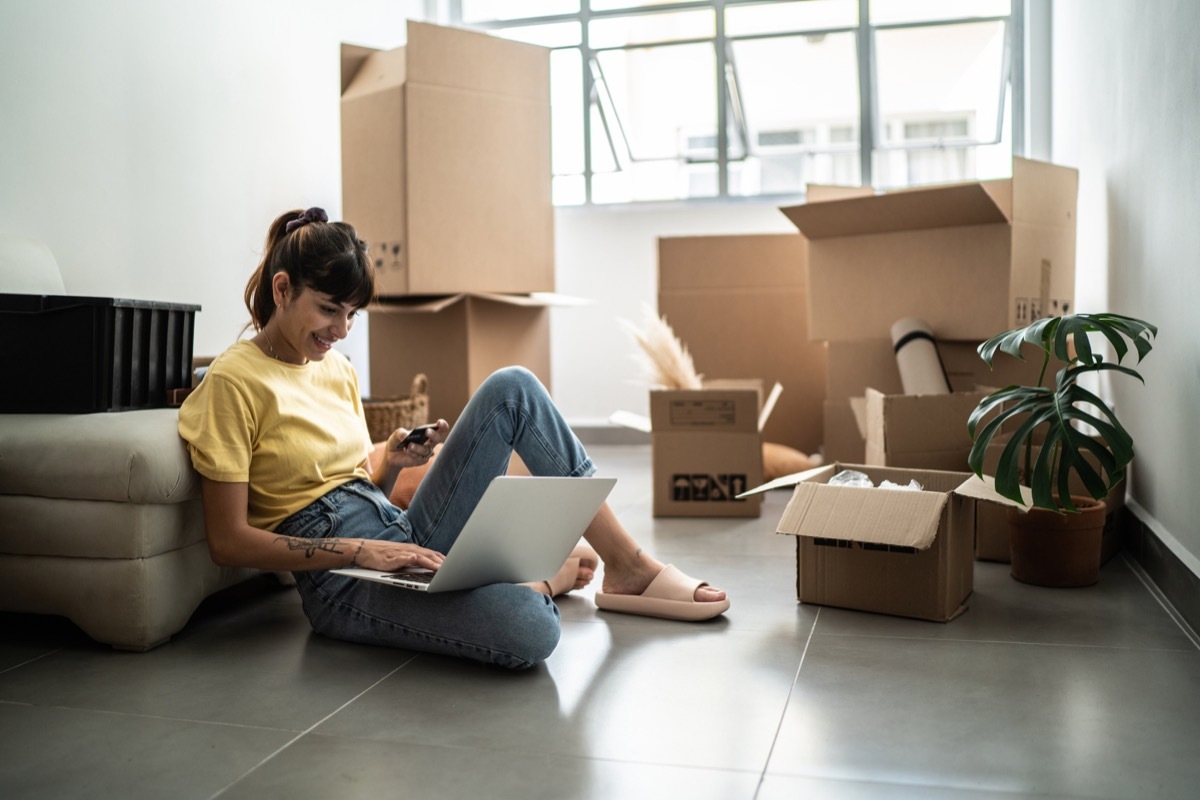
x=316, y=254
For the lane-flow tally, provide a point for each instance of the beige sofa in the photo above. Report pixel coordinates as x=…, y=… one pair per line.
x=101, y=522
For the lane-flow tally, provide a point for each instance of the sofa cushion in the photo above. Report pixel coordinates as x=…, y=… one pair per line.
x=54, y=526
x=124, y=456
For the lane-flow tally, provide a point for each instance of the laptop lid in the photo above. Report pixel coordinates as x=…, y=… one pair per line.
x=522, y=530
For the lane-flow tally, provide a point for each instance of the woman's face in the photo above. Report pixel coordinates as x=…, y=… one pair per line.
x=310, y=322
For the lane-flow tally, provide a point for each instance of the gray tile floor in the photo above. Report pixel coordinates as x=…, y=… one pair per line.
x=1034, y=692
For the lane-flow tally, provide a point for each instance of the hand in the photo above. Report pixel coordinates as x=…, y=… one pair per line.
x=388, y=556
x=414, y=454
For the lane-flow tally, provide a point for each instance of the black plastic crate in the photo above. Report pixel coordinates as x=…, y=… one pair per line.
x=79, y=354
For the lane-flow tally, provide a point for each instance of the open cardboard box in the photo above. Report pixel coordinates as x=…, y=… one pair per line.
x=971, y=259
x=446, y=162
x=715, y=292
x=706, y=447
x=457, y=341
x=889, y=551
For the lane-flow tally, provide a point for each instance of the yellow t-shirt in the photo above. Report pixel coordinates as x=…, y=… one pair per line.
x=292, y=432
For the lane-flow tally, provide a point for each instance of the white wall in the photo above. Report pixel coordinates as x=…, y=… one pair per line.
x=150, y=143
x=1126, y=114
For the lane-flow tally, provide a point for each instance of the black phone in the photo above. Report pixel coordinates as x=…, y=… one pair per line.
x=417, y=435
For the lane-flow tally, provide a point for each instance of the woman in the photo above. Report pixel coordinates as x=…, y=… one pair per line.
x=276, y=430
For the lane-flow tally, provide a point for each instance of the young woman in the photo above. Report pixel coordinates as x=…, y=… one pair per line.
x=276, y=430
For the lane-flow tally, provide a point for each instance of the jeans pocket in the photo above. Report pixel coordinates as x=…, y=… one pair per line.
x=312, y=522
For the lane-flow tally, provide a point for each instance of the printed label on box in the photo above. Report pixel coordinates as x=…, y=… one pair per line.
x=703, y=413
x=704, y=488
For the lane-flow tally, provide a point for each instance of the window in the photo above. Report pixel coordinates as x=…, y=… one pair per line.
x=661, y=100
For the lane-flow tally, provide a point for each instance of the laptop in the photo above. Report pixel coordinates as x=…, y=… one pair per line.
x=521, y=531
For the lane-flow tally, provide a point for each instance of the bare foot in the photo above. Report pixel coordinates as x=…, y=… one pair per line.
x=637, y=575
x=576, y=572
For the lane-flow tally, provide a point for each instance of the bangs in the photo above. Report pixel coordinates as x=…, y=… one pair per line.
x=347, y=278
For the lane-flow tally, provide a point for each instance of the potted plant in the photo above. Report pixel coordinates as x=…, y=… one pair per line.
x=1050, y=420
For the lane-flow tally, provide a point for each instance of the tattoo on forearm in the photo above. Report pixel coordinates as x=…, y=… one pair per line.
x=312, y=546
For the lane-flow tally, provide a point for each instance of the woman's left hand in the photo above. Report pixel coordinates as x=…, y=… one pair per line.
x=415, y=453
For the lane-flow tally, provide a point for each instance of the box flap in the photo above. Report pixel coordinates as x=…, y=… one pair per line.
x=940, y=207
x=462, y=59
x=769, y=404
x=365, y=70
x=431, y=304
x=985, y=489
x=824, y=192
x=788, y=481
x=876, y=516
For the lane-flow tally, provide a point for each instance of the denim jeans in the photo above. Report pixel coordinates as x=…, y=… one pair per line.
x=504, y=624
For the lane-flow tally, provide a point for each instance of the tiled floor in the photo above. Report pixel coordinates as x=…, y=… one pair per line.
x=1033, y=692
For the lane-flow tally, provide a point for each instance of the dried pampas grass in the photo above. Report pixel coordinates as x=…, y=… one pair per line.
x=664, y=358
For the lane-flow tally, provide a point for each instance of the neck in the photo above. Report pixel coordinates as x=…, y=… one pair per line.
x=274, y=352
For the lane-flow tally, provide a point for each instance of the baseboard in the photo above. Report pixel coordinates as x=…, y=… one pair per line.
x=1174, y=579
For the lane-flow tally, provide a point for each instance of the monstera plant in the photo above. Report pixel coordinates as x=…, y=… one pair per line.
x=1056, y=417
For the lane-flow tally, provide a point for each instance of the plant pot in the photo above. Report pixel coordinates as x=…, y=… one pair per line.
x=1055, y=549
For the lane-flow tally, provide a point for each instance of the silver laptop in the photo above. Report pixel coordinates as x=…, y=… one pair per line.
x=521, y=531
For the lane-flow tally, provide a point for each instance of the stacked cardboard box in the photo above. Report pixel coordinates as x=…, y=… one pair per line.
x=971, y=260
x=446, y=174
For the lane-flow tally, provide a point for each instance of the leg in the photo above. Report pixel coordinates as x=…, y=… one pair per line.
x=503, y=624
x=510, y=411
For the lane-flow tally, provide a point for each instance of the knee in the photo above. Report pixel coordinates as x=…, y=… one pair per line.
x=514, y=380
x=537, y=630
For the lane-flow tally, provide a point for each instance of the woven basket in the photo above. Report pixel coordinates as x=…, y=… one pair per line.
x=385, y=414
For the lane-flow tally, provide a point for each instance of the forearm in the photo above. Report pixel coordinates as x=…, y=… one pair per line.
x=265, y=550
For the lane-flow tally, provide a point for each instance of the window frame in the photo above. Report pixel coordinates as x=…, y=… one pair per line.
x=870, y=140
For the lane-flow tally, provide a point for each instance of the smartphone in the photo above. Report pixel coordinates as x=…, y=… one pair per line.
x=417, y=435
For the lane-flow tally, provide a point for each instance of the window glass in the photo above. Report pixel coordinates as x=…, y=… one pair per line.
x=768, y=18
x=652, y=28
x=657, y=108
x=611, y=5
x=800, y=102
x=566, y=111
x=495, y=10
x=940, y=89
x=889, y=12
x=555, y=34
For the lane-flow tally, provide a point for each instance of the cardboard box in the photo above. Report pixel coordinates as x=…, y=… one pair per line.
x=457, y=341
x=970, y=259
x=446, y=162
x=739, y=304
x=991, y=541
x=907, y=553
x=920, y=431
x=707, y=449
x=855, y=367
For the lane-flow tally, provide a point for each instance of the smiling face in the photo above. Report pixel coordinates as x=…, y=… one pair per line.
x=307, y=323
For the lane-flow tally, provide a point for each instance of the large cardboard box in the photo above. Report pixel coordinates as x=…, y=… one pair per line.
x=970, y=259
x=457, y=341
x=446, y=162
x=739, y=304
x=890, y=551
x=706, y=449
x=991, y=540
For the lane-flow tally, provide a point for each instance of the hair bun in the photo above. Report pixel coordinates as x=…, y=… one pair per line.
x=313, y=214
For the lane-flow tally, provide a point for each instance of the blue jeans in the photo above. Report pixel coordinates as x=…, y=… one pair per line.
x=504, y=624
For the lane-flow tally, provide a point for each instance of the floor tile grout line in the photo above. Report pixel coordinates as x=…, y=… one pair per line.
x=308, y=730
x=956, y=640
x=762, y=776
x=1141, y=574
x=30, y=661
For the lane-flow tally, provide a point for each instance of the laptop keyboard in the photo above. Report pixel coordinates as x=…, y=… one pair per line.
x=415, y=576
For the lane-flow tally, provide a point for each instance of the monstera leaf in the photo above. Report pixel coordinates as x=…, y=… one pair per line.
x=1052, y=417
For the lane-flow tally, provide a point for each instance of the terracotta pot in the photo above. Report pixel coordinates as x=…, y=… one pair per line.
x=1059, y=550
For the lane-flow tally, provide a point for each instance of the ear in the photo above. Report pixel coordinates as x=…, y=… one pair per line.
x=281, y=287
